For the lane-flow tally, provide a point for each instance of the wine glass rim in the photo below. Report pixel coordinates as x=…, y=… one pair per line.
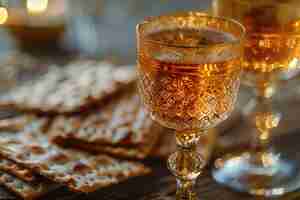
x=200, y=14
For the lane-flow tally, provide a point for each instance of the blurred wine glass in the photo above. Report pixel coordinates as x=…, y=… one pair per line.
x=271, y=58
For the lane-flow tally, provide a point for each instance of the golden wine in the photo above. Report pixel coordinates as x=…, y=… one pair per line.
x=273, y=32
x=191, y=89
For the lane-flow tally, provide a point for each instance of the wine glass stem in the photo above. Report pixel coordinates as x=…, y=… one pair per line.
x=261, y=124
x=186, y=164
x=265, y=117
x=186, y=190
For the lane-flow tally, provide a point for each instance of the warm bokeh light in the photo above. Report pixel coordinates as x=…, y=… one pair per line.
x=36, y=6
x=3, y=15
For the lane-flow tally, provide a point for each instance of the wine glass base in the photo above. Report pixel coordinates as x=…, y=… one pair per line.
x=258, y=173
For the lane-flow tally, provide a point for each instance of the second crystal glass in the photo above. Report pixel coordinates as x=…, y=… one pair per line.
x=271, y=49
x=189, y=68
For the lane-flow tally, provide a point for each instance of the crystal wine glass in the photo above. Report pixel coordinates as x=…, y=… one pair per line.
x=272, y=48
x=189, y=68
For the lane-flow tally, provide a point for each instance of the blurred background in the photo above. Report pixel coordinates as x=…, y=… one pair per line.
x=95, y=28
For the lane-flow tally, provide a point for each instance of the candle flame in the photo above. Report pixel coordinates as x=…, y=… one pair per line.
x=3, y=15
x=37, y=6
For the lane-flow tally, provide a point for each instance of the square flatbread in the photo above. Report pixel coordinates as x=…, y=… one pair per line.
x=16, y=67
x=15, y=123
x=24, y=189
x=69, y=88
x=22, y=181
x=120, y=128
x=17, y=170
x=80, y=171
